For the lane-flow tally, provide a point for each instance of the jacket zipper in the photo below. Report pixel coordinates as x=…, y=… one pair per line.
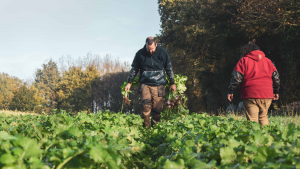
x=152, y=60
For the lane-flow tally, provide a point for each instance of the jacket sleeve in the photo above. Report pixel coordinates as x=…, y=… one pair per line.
x=134, y=69
x=236, y=79
x=276, y=82
x=168, y=68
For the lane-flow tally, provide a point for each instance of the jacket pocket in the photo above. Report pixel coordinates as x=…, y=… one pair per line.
x=161, y=90
x=153, y=78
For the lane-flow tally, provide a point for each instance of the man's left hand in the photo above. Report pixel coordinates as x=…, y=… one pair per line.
x=275, y=96
x=173, y=87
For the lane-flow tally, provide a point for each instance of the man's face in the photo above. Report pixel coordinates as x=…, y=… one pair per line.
x=151, y=48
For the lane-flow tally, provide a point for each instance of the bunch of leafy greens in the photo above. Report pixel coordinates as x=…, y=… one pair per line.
x=134, y=83
x=125, y=94
x=179, y=81
x=176, y=101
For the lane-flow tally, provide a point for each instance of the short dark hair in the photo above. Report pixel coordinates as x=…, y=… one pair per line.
x=251, y=46
x=151, y=40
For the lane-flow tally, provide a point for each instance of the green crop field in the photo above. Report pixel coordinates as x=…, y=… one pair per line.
x=110, y=140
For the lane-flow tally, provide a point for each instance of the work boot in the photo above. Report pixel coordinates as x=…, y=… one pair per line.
x=155, y=113
x=146, y=117
x=146, y=122
x=155, y=119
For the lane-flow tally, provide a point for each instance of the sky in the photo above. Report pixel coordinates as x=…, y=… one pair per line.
x=34, y=31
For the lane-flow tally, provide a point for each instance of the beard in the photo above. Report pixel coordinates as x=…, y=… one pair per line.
x=149, y=54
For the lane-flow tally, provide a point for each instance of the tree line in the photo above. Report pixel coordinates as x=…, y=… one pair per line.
x=204, y=38
x=91, y=83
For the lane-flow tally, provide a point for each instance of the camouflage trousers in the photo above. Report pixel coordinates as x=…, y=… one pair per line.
x=152, y=101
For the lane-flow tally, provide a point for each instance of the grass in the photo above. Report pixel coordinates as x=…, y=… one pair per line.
x=10, y=112
x=283, y=117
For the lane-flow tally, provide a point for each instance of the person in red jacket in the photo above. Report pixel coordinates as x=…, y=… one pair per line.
x=259, y=83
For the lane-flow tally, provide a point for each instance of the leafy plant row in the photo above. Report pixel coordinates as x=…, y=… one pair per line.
x=113, y=140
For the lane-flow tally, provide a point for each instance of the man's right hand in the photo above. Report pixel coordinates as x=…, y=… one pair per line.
x=230, y=97
x=127, y=87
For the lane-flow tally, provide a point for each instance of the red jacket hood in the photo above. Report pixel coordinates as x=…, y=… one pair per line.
x=256, y=55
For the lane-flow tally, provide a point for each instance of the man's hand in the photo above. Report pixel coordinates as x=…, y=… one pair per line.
x=230, y=97
x=127, y=87
x=173, y=87
x=275, y=96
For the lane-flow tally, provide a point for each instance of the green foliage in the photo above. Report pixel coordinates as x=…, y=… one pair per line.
x=113, y=140
x=62, y=141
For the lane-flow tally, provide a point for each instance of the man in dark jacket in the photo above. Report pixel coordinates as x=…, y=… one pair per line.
x=259, y=83
x=151, y=61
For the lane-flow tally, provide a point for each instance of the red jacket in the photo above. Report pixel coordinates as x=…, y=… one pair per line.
x=257, y=71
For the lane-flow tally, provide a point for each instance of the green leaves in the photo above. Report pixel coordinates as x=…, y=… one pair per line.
x=135, y=83
x=106, y=156
x=7, y=159
x=228, y=155
x=288, y=133
x=61, y=140
x=67, y=152
x=180, y=81
x=29, y=146
x=176, y=165
x=98, y=154
x=176, y=101
x=232, y=143
x=124, y=93
x=264, y=155
x=5, y=136
x=214, y=128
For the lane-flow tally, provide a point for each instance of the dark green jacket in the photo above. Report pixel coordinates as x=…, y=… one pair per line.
x=152, y=68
